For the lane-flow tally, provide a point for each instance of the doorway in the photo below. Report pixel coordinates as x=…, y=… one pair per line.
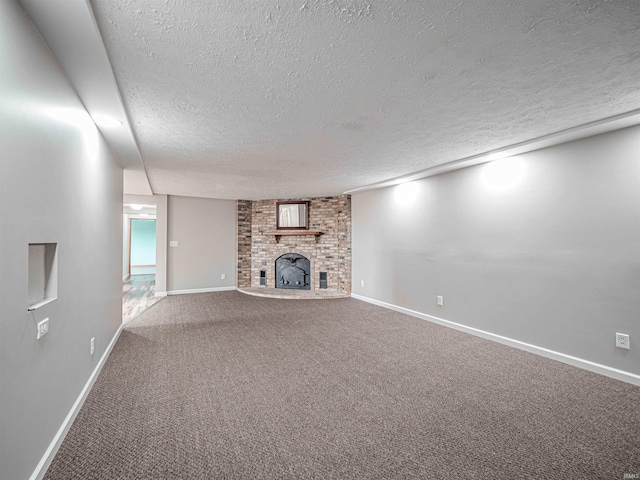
x=142, y=246
x=139, y=260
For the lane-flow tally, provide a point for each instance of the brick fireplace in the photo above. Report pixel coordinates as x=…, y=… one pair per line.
x=326, y=244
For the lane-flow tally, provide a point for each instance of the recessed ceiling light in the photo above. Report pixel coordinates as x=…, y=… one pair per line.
x=106, y=121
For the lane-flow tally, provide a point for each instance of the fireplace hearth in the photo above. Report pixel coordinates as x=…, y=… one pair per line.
x=293, y=271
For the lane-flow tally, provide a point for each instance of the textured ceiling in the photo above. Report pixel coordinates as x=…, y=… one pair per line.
x=277, y=99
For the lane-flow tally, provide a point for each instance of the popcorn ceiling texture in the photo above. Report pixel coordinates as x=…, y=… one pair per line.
x=228, y=98
x=331, y=252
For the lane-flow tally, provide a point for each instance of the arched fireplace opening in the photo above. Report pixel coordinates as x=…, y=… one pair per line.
x=293, y=271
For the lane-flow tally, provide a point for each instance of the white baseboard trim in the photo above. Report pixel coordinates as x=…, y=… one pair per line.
x=51, y=451
x=160, y=294
x=544, y=352
x=200, y=290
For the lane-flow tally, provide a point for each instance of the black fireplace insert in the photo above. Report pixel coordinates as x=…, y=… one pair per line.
x=292, y=271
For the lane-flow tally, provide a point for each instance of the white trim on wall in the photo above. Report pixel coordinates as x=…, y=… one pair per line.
x=544, y=352
x=197, y=290
x=47, y=458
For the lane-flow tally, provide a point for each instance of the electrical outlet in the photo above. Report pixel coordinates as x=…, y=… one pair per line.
x=43, y=328
x=93, y=345
x=622, y=340
x=223, y=276
x=362, y=283
x=440, y=300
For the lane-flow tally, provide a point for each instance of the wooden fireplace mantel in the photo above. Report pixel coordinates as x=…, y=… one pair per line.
x=280, y=233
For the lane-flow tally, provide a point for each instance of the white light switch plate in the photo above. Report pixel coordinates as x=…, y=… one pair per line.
x=173, y=243
x=43, y=328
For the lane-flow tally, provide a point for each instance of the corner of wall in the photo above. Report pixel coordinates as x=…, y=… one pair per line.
x=161, y=244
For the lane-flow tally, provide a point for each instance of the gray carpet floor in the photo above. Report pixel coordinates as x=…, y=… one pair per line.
x=230, y=386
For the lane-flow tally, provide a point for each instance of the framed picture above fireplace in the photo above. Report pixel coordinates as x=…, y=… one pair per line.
x=292, y=215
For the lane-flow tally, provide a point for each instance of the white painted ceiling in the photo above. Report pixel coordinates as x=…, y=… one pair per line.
x=283, y=99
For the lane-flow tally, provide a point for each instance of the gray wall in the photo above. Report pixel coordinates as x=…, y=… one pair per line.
x=161, y=244
x=58, y=184
x=553, y=260
x=125, y=245
x=206, y=230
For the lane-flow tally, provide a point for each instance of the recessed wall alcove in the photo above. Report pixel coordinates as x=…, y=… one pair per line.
x=326, y=243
